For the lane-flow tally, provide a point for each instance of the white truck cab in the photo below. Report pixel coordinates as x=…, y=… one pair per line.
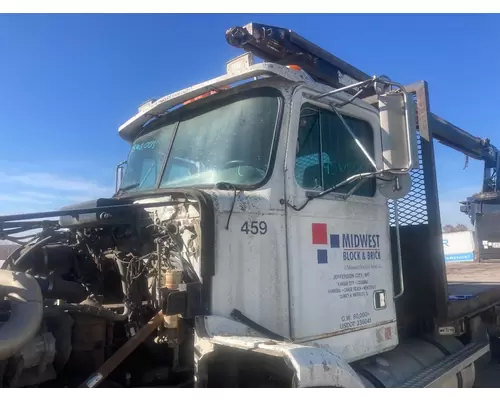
x=280, y=226
x=321, y=275
x=299, y=174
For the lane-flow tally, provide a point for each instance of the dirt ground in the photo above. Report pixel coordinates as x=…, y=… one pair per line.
x=484, y=272
x=471, y=278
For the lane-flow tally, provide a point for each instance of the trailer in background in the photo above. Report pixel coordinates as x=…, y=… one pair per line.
x=485, y=216
x=458, y=246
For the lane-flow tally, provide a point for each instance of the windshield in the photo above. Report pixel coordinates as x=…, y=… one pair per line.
x=232, y=142
x=146, y=159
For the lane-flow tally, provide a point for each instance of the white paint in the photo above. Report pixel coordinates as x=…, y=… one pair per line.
x=275, y=278
x=399, y=137
x=458, y=246
x=332, y=301
x=251, y=270
x=265, y=69
x=353, y=346
x=313, y=366
x=490, y=245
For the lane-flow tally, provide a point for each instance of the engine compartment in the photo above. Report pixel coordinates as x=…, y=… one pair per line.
x=103, y=271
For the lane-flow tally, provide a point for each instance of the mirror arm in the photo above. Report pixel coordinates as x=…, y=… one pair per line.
x=345, y=88
x=358, y=143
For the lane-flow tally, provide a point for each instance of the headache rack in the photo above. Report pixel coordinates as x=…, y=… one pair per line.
x=418, y=212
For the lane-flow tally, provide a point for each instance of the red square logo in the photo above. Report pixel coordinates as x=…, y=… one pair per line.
x=319, y=234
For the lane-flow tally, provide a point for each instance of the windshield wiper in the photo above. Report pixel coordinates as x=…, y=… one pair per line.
x=128, y=187
x=134, y=185
x=228, y=186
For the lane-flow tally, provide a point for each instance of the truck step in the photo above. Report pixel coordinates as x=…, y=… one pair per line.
x=447, y=367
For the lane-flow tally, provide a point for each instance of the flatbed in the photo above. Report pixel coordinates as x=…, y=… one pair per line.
x=472, y=287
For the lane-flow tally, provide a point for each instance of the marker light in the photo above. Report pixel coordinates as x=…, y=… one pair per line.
x=206, y=94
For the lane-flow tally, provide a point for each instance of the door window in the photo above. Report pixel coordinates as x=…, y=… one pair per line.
x=327, y=154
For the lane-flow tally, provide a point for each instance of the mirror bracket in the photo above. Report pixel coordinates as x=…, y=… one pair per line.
x=120, y=168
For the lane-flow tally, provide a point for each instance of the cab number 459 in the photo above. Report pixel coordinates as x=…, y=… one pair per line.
x=254, y=227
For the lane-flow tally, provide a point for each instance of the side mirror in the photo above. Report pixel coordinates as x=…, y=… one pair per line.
x=399, y=132
x=120, y=169
x=399, y=142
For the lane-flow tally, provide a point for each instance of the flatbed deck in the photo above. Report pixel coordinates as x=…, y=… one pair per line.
x=472, y=287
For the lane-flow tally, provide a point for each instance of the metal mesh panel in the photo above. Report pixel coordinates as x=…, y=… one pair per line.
x=412, y=209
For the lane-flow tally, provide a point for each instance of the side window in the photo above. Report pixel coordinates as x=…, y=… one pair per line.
x=307, y=159
x=327, y=154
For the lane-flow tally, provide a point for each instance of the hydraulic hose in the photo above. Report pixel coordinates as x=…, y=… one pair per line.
x=123, y=276
x=107, y=313
x=26, y=303
x=96, y=311
x=99, y=311
x=29, y=249
x=63, y=289
x=54, y=287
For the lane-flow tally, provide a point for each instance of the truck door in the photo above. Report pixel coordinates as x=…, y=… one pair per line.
x=340, y=268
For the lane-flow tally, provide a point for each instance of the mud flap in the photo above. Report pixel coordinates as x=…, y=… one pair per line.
x=311, y=366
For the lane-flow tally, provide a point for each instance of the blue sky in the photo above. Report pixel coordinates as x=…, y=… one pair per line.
x=68, y=81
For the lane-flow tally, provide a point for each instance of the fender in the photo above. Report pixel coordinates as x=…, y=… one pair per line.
x=311, y=366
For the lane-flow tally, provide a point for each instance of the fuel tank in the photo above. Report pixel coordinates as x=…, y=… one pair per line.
x=397, y=366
